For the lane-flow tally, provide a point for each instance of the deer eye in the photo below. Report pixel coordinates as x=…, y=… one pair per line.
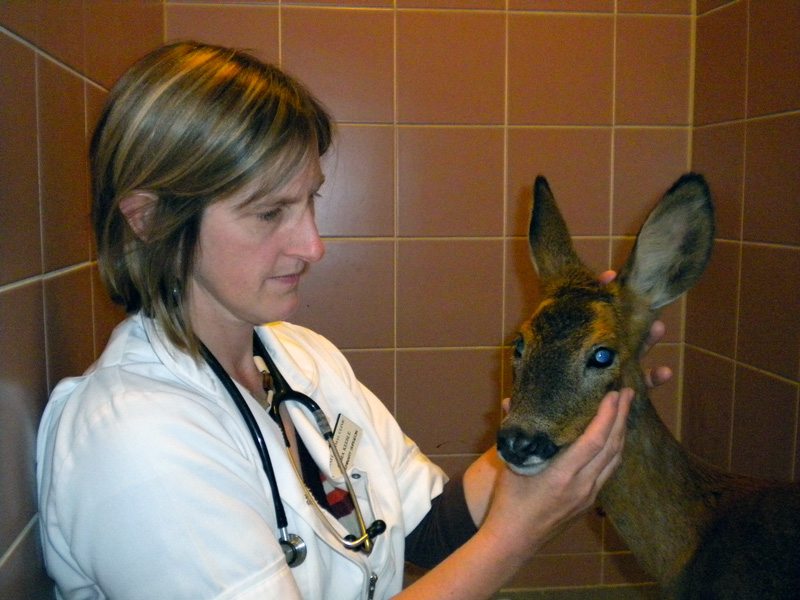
x=519, y=346
x=601, y=358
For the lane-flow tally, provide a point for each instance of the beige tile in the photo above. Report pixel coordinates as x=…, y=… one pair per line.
x=551, y=84
x=64, y=167
x=718, y=153
x=23, y=393
x=68, y=314
x=345, y=57
x=349, y=296
x=449, y=293
x=358, y=196
x=253, y=28
x=711, y=306
x=20, y=236
x=443, y=57
x=646, y=164
x=652, y=70
x=772, y=180
x=707, y=406
x=720, y=65
x=764, y=424
x=448, y=400
x=450, y=181
x=563, y=5
x=769, y=329
x=110, y=47
x=679, y=7
x=576, y=162
x=773, y=59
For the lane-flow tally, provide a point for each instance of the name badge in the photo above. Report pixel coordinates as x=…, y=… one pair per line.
x=346, y=436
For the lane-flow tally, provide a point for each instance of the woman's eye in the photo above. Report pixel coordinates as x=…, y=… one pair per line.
x=601, y=358
x=270, y=215
x=519, y=346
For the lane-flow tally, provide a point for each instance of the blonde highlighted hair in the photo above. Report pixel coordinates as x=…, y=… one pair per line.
x=188, y=125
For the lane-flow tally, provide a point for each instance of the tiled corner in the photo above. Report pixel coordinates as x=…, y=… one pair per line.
x=457, y=411
x=344, y=57
x=764, y=425
x=707, y=406
x=449, y=293
x=443, y=57
x=450, y=181
x=20, y=236
x=546, y=75
x=254, y=28
x=357, y=198
x=718, y=153
x=367, y=292
x=652, y=70
x=772, y=180
x=646, y=164
x=576, y=163
x=720, y=64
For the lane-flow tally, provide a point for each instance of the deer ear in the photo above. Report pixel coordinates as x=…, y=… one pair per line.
x=550, y=243
x=674, y=245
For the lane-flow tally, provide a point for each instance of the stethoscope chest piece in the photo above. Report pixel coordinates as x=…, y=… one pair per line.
x=294, y=548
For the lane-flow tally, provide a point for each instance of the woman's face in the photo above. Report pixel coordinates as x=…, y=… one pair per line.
x=250, y=258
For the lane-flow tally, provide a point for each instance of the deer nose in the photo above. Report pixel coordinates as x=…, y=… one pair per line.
x=516, y=445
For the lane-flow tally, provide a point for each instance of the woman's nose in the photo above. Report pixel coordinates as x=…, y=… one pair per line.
x=308, y=243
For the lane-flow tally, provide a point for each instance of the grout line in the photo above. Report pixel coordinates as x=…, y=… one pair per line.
x=396, y=228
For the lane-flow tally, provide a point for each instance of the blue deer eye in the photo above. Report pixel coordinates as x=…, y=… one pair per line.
x=519, y=346
x=601, y=358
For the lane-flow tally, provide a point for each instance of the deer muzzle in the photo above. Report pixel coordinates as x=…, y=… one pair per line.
x=525, y=453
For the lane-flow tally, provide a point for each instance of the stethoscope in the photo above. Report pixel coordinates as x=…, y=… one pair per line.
x=294, y=548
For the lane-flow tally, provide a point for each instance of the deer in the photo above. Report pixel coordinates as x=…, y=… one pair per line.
x=699, y=531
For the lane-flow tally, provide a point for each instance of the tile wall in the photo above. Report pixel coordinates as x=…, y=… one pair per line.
x=447, y=110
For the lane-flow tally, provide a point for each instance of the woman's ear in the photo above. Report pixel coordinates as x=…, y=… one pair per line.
x=138, y=210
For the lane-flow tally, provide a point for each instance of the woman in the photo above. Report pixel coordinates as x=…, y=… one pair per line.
x=205, y=167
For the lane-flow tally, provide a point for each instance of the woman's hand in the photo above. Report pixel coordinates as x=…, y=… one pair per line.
x=657, y=375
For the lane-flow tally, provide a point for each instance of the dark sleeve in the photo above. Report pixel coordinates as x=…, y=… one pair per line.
x=443, y=530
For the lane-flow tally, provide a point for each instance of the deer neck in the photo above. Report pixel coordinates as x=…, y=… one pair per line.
x=656, y=498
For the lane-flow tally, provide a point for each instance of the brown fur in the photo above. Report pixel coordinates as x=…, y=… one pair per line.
x=701, y=532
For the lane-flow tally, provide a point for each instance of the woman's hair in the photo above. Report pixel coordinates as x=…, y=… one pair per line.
x=188, y=125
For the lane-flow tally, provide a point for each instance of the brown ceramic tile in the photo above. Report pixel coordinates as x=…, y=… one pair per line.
x=23, y=393
x=769, y=329
x=718, y=153
x=64, y=167
x=20, y=236
x=585, y=534
x=711, y=305
x=621, y=567
x=677, y=7
x=563, y=5
x=707, y=405
x=720, y=65
x=666, y=397
x=448, y=401
x=345, y=57
x=22, y=574
x=459, y=4
x=560, y=570
x=646, y=164
x=576, y=162
x=68, y=314
x=764, y=425
x=253, y=28
x=110, y=47
x=449, y=293
x=704, y=6
x=773, y=83
x=375, y=369
x=443, y=57
x=551, y=84
x=22, y=18
x=105, y=314
x=652, y=76
x=355, y=282
x=346, y=3
x=772, y=180
x=358, y=196
x=450, y=181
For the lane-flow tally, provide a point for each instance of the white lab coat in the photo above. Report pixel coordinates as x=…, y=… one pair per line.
x=150, y=485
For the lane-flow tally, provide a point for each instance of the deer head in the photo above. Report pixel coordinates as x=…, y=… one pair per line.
x=584, y=339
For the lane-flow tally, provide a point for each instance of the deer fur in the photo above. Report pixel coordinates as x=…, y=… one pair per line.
x=700, y=531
